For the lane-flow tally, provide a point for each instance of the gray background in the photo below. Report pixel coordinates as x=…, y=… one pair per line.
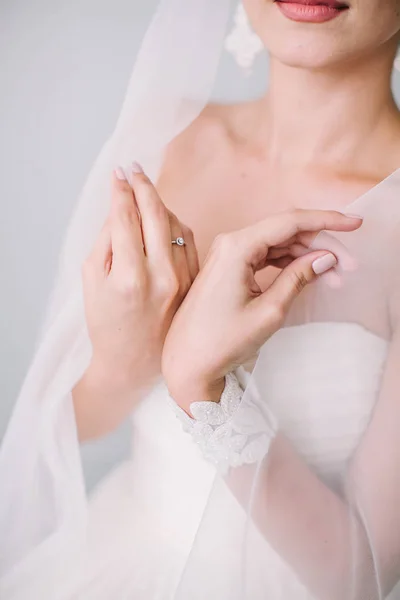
x=64, y=67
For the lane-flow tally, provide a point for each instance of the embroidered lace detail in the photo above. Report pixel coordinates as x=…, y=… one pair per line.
x=228, y=433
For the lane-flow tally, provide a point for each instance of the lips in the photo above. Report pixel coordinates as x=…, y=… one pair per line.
x=311, y=11
x=329, y=3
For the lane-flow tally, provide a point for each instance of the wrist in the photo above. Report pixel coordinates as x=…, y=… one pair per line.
x=196, y=390
x=108, y=378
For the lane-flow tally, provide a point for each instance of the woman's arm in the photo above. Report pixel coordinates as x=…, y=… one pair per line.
x=336, y=542
x=102, y=400
x=340, y=547
x=134, y=281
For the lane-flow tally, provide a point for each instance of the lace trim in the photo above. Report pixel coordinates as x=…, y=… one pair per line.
x=227, y=435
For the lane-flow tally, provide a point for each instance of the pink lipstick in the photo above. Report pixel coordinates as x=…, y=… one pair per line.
x=311, y=11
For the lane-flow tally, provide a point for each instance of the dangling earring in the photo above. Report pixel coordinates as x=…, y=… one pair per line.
x=242, y=42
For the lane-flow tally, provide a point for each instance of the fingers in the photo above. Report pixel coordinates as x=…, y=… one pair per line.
x=100, y=259
x=293, y=251
x=325, y=241
x=307, y=242
x=160, y=226
x=155, y=219
x=283, y=257
x=139, y=231
x=280, y=228
x=191, y=253
x=299, y=220
x=289, y=284
x=179, y=252
x=126, y=234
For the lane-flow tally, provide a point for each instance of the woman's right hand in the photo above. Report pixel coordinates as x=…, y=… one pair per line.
x=227, y=310
x=134, y=281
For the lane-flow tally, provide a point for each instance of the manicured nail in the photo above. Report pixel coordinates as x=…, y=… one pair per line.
x=136, y=168
x=119, y=174
x=324, y=263
x=355, y=217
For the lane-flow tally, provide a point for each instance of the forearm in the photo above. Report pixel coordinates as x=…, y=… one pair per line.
x=313, y=529
x=101, y=403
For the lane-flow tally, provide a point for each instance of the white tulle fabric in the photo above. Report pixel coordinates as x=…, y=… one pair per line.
x=43, y=505
x=327, y=377
x=165, y=525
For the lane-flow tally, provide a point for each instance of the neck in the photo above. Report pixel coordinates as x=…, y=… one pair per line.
x=328, y=116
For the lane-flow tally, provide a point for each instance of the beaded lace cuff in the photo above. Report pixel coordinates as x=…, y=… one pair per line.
x=227, y=435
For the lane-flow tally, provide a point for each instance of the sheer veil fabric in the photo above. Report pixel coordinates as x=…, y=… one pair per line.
x=43, y=503
x=349, y=325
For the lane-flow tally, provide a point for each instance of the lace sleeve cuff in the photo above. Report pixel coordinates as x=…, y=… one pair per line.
x=227, y=434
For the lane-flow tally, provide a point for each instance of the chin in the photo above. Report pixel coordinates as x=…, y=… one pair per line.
x=315, y=34
x=305, y=49
x=303, y=43
x=306, y=55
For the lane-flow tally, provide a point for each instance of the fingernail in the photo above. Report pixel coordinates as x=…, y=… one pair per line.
x=119, y=174
x=324, y=263
x=136, y=168
x=354, y=217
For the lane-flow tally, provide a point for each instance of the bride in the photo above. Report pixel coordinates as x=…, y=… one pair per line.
x=266, y=461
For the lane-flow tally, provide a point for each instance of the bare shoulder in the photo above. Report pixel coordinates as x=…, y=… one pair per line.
x=207, y=133
x=209, y=138
x=212, y=125
x=216, y=123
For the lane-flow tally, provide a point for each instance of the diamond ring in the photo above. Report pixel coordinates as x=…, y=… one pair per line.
x=179, y=241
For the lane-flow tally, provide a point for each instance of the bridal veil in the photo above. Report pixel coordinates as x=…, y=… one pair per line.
x=43, y=502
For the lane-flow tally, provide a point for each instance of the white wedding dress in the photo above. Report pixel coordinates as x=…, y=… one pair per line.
x=149, y=535
x=144, y=516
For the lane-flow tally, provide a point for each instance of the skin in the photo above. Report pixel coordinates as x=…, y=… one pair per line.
x=314, y=142
x=134, y=281
x=263, y=158
x=346, y=145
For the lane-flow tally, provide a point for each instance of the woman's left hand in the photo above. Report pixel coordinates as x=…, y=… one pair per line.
x=226, y=318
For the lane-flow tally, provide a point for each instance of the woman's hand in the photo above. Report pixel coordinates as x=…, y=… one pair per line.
x=134, y=281
x=226, y=318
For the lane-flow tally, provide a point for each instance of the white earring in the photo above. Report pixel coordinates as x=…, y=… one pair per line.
x=242, y=42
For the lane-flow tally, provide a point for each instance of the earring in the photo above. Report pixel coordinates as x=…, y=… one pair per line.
x=242, y=42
